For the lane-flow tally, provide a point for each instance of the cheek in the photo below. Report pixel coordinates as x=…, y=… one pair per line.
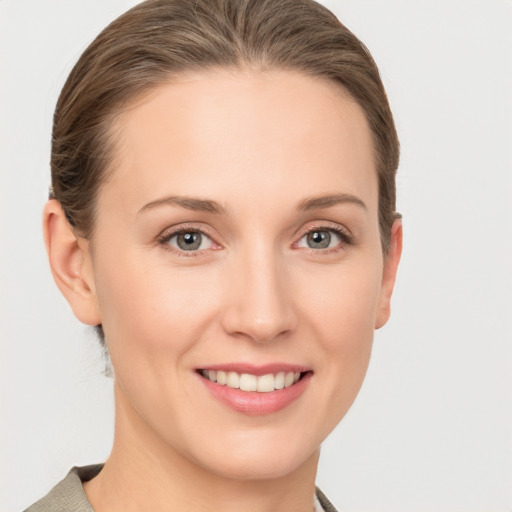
x=151, y=309
x=342, y=303
x=343, y=318
x=153, y=323
x=348, y=342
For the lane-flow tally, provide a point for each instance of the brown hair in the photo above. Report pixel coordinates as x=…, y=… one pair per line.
x=158, y=39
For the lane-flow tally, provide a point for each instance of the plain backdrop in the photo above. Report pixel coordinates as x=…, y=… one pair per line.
x=431, y=430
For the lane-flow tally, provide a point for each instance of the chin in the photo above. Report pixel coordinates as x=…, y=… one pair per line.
x=253, y=470
x=254, y=462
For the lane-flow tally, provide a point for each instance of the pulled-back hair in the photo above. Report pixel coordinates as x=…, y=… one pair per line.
x=158, y=39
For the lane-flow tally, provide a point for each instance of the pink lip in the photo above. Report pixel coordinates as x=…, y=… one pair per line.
x=253, y=403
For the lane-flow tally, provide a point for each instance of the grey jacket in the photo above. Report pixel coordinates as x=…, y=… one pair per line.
x=69, y=495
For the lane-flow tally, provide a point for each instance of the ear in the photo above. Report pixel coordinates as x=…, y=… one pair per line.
x=70, y=263
x=391, y=261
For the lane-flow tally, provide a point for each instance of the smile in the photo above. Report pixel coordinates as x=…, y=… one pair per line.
x=249, y=382
x=256, y=390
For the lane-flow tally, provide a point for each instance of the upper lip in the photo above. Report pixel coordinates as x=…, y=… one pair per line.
x=257, y=369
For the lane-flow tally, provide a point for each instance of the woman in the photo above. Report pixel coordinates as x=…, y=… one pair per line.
x=223, y=211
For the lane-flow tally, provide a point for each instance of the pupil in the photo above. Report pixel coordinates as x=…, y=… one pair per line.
x=319, y=239
x=189, y=238
x=189, y=241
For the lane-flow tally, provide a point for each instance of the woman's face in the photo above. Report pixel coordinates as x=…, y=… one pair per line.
x=238, y=240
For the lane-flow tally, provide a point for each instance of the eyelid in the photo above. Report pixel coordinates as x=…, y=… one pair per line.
x=343, y=232
x=165, y=235
x=323, y=224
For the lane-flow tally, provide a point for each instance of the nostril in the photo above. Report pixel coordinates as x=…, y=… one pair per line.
x=259, y=306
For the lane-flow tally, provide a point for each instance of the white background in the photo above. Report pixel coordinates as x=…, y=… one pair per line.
x=432, y=427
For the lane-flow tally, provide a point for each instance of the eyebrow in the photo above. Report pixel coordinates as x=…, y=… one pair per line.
x=190, y=203
x=326, y=201
x=207, y=205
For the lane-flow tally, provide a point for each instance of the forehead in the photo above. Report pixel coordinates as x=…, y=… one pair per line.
x=271, y=131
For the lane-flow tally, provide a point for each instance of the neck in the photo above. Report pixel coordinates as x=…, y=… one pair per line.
x=145, y=473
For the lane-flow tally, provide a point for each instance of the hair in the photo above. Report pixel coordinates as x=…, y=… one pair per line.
x=159, y=39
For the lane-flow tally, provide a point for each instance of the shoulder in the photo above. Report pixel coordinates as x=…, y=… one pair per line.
x=68, y=495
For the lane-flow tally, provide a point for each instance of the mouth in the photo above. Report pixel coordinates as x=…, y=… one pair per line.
x=256, y=390
x=250, y=382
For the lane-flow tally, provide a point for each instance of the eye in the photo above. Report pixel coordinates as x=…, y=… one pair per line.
x=323, y=239
x=189, y=241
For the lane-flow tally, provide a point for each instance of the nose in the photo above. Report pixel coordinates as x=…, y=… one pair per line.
x=259, y=304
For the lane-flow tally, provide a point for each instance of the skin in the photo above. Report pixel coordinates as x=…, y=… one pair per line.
x=259, y=144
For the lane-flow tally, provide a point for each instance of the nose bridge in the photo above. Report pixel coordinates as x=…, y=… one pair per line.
x=260, y=305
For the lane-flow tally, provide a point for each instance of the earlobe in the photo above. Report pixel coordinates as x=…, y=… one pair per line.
x=391, y=261
x=70, y=263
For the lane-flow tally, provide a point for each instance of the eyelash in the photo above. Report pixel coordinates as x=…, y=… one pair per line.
x=345, y=237
x=164, y=239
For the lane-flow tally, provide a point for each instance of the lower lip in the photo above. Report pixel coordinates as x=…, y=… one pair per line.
x=254, y=403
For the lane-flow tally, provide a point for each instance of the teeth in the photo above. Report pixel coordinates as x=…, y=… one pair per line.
x=266, y=383
x=288, y=379
x=249, y=382
x=233, y=380
x=279, y=384
x=221, y=378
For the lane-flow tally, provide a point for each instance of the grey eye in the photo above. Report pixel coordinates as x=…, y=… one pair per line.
x=320, y=239
x=190, y=241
